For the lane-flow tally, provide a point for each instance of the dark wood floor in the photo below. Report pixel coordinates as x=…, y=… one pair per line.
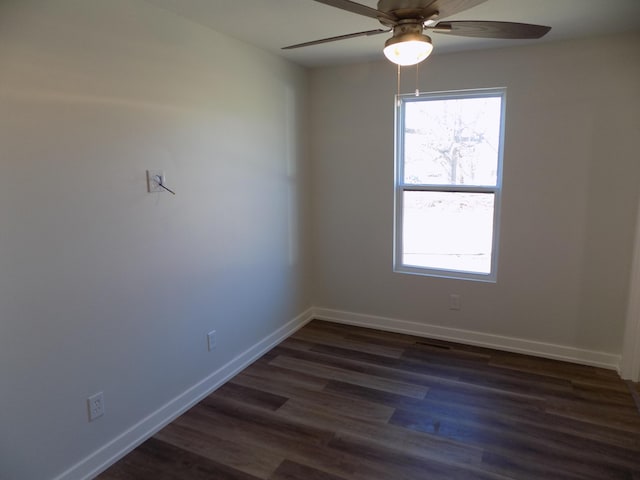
x=337, y=402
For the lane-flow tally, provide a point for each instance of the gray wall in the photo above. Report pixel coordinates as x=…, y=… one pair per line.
x=104, y=287
x=571, y=176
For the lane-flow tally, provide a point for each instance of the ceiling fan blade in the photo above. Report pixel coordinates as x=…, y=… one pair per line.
x=354, y=7
x=488, y=29
x=447, y=8
x=339, y=37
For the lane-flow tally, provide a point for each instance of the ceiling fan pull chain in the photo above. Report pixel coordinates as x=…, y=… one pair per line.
x=417, y=79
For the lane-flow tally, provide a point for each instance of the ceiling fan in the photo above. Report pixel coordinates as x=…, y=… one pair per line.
x=408, y=19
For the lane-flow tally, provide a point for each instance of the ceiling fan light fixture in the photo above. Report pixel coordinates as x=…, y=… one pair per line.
x=408, y=48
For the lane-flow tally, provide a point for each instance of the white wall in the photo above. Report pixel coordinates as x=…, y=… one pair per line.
x=571, y=176
x=104, y=287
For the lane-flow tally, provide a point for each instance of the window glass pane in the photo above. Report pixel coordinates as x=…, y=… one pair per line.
x=452, y=141
x=448, y=231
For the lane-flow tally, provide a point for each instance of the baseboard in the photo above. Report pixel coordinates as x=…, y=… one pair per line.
x=98, y=461
x=510, y=344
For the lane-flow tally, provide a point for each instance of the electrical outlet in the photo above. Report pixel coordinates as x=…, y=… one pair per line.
x=454, y=301
x=211, y=340
x=95, y=404
x=154, y=179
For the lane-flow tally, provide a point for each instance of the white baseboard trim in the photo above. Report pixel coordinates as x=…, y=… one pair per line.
x=102, y=458
x=498, y=342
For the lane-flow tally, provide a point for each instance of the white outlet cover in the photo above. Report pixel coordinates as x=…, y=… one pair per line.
x=454, y=301
x=211, y=340
x=95, y=404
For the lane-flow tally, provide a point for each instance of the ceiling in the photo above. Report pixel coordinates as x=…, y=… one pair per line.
x=272, y=24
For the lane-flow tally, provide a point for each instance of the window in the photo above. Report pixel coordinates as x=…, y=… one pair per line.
x=448, y=181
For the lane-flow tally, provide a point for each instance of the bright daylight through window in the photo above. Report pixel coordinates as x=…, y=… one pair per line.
x=448, y=181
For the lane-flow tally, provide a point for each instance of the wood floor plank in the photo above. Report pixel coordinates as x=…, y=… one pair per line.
x=409, y=463
x=621, y=418
x=213, y=444
x=162, y=461
x=387, y=436
x=283, y=376
x=338, y=402
x=297, y=343
x=407, y=371
x=289, y=470
x=603, y=397
x=482, y=373
x=400, y=340
x=518, y=469
x=263, y=381
x=334, y=373
x=354, y=407
x=535, y=444
x=519, y=416
x=330, y=339
x=261, y=443
x=272, y=427
x=418, y=369
x=545, y=366
x=398, y=366
x=539, y=424
x=465, y=394
x=253, y=396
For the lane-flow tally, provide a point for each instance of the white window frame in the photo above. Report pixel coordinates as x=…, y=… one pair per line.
x=401, y=187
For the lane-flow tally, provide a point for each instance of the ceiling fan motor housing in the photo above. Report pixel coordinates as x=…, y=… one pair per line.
x=407, y=28
x=415, y=10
